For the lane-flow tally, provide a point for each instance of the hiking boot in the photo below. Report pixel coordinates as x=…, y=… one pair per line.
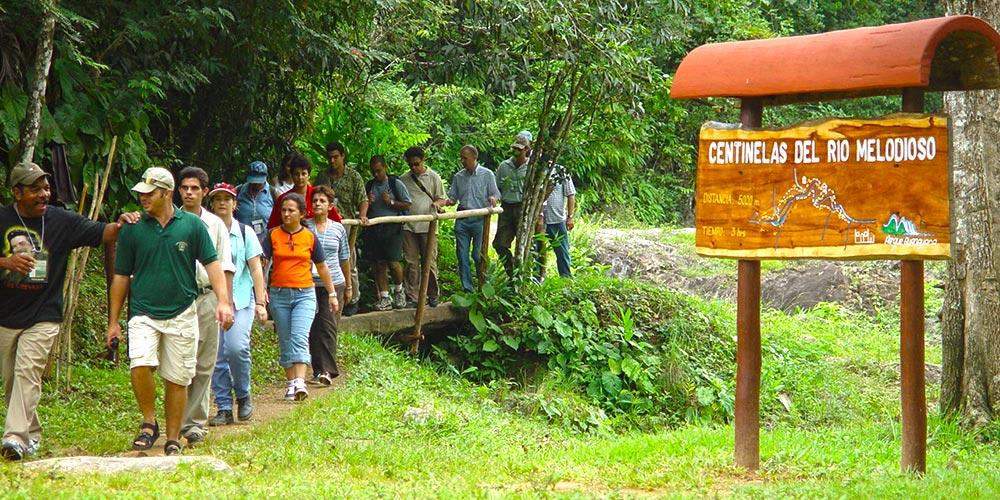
x=432, y=302
x=244, y=409
x=196, y=435
x=33, y=445
x=12, y=449
x=290, y=392
x=224, y=417
x=350, y=309
x=399, y=300
x=383, y=304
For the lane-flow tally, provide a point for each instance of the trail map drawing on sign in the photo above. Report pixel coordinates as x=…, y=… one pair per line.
x=818, y=193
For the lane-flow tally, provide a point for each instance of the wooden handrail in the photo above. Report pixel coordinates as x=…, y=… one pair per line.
x=431, y=243
x=390, y=219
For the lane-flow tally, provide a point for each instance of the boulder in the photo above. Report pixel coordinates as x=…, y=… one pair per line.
x=788, y=289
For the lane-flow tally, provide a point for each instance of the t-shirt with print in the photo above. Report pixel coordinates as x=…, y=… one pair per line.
x=161, y=261
x=26, y=300
x=379, y=208
x=292, y=256
x=348, y=191
x=245, y=247
x=335, y=246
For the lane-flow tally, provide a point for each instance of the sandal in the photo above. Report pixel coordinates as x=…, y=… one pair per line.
x=172, y=447
x=145, y=440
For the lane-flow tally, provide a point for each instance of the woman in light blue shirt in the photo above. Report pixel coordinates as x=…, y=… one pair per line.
x=232, y=367
x=333, y=238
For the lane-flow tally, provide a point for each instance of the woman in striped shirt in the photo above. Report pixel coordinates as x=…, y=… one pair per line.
x=333, y=239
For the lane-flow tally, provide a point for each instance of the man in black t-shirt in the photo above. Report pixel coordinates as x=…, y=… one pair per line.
x=34, y=249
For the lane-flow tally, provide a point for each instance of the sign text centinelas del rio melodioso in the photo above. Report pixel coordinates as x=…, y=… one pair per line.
x=837, y=189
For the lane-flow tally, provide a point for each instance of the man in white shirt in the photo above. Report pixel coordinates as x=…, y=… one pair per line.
x=427, y=192
x=193, y=186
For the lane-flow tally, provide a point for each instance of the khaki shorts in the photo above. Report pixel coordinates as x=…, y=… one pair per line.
x=170, y=344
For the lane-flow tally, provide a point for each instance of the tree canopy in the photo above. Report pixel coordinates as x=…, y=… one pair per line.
x=218, y=84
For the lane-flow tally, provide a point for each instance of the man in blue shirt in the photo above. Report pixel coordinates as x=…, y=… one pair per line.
x=472, y=187
x=254, y=200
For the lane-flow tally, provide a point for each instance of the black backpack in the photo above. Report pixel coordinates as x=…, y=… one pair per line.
x=394, y=182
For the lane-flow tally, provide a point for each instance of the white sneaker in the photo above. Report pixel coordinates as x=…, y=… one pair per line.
x=299, y=386
x=399, y=301
x=383, y=304
x=290, y=392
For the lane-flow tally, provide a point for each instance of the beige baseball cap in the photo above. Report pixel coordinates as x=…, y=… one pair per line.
x=25, y=173
x=153, y=178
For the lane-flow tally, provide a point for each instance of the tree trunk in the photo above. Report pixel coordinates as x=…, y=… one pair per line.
x=970, y=324
x=36, y=93
x=551, y=136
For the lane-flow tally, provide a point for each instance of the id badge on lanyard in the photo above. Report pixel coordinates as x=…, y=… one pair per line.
x=40, y=274
x=258, y=226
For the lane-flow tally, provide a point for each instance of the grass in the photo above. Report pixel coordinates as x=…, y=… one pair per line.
x=356, y=442
x=841, y=437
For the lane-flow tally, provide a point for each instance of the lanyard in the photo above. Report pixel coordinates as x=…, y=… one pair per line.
x=40, y=243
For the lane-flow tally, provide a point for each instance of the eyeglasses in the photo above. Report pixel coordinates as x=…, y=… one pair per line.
x=415, y=164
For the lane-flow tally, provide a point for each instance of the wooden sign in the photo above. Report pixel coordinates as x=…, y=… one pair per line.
x=836, y=189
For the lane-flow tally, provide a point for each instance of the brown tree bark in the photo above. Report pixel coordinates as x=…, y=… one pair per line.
x=40, y=76
x=971, y=317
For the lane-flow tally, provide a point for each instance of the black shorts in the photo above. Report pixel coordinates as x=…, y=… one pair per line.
x=383, y=242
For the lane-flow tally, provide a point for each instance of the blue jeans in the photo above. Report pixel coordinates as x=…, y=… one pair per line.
x=293, y=310
x=232, y=367
x=468, y=231
x=559, y=240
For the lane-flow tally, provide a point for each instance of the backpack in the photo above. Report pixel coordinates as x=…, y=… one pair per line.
x=394, y=182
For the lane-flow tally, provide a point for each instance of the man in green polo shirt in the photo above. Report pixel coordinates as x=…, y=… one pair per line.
x=155, y=265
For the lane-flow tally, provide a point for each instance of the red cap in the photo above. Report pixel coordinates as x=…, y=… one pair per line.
x=222, y=187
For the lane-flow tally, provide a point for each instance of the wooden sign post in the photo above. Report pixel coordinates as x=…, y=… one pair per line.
x=840, y=189
x=835, y=189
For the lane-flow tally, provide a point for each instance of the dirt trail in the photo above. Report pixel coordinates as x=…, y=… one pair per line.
x=269, y=404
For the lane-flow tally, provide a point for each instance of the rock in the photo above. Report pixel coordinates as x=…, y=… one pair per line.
x=788, y=289
x=113, y=465
x=785, y=401
x=416, y=415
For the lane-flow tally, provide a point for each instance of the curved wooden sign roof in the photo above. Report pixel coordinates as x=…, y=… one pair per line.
x=945, y=53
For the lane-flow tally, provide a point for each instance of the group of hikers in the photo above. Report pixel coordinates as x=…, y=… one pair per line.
x=197, y=275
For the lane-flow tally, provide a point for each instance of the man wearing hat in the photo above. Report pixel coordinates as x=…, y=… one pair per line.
x=155, y=266
x=510, y=180
x=37, y=240
x=254, y=199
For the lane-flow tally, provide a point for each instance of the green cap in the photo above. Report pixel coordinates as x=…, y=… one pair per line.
x=25, y=174
x=153, y=178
